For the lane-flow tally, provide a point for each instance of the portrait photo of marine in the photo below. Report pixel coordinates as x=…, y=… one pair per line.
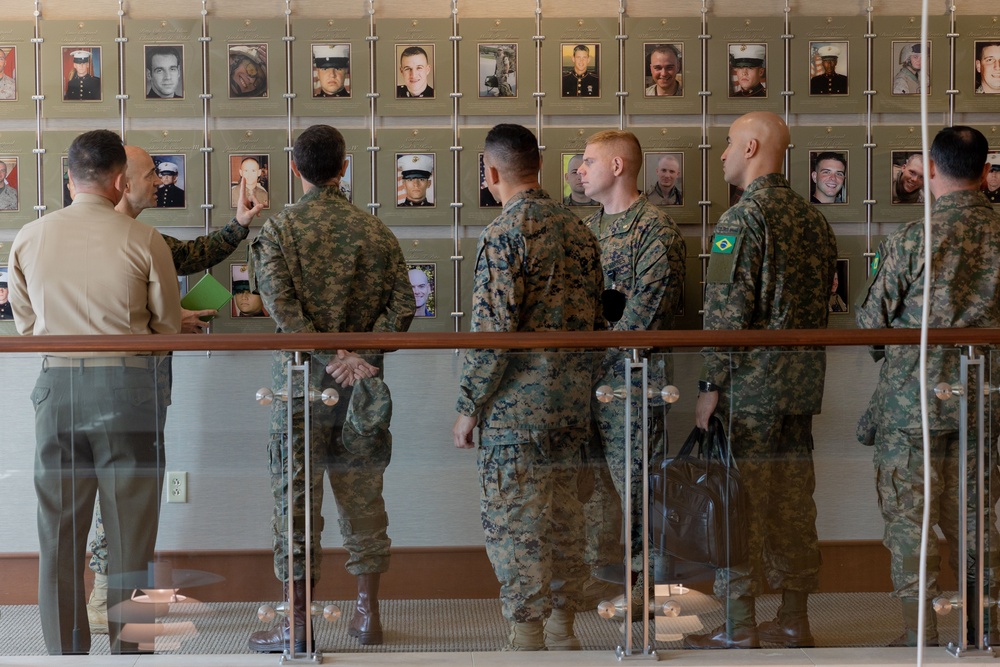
x=331, y=65
x=414, y=179
x=347, y=179
x=664, y=70
x=987, y=67
x=991, y=182
x=8, y=73
x=171, y=174
x=581, y=70
x=67, y=191
x=828, y=177
x=415, y=78
x=748, y=70
x=573, y=194
x=498, y=70
x=664, y=183
x=8, y=183
x=907, y=177
x=828, y=68
x=246, y=302
x=82, y=73
x=486, y=198
x=6, y=310
x=422, y=279
x=247, y=70
x=840, y=290
x=252, y=168
x=164, y=71
x=911, y=58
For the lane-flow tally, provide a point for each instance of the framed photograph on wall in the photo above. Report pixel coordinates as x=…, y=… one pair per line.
x=829, y=70
x=503, y=79
x=423, y=279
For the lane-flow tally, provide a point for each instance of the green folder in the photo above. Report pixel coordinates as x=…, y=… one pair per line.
x=207, y=294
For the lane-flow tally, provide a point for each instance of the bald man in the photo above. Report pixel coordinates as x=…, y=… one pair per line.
x=189, y=257
x=643, y=255
x=771, y=267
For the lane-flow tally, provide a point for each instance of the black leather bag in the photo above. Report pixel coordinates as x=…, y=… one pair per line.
x=698, y=504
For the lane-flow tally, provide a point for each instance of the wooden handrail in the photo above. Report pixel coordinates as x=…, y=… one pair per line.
x=514, y=341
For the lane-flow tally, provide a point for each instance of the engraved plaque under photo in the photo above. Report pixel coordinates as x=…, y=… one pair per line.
x=580, y=66
x=259, y=157
x=81, y=59
x=19, y=179
x=671, y=173
x=829, y=69
x=414, y=76
x=415, y=176
x=898, y=172
x=431, y=273
x=828, y=167
x=503, y=81
x=163, y=68
x=663, y=65
x=977, y=64
x=899, y=57
x=180, y=177
x=247, y=67
x=17, y=70
x=746, y=65
x=330, y=67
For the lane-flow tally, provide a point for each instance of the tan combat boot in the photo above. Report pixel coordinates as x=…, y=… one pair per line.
x=526, y=636
x=97, y=606
x=559, y=635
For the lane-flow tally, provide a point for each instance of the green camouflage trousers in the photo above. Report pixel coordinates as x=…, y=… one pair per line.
x=99, y=545
x=899, y=472
x=532, y=518
x=602, y=508
x=774, y=456
x=350, y=442
x=610, y=420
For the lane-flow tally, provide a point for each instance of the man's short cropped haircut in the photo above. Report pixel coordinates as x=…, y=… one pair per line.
x=513, y=151
x=982, y=45
x=97, y=156
x=413, y=51
x=621, y=143
x=960, y=153
x=160, y=50
x=830, y=155
x=319, y=153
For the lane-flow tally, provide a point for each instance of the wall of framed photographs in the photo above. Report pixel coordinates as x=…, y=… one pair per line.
x=218, y=91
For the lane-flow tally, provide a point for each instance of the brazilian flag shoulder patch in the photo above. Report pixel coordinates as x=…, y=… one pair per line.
x=723, y=244
x=722, y=260
x=876, y=263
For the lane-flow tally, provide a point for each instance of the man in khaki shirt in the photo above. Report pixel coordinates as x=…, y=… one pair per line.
x=87, y=269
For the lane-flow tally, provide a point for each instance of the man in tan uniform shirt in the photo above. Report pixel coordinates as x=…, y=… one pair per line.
x=87, y=269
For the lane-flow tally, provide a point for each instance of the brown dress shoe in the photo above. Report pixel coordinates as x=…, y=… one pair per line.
x=719, y=638
x=791, y=634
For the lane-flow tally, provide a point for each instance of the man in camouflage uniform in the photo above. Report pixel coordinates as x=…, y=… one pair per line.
x=324, y=266
x=643, y=256
x=771, y=267
x=965, y=292
x=537, y=269
x=189, y=257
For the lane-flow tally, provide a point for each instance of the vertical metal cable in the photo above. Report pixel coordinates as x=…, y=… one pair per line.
x=289, y=96
x=538, y=38
x=120, y=41
x=373, y=204
x=869, y=92
x=38, y=98
x=621, y=94
x=787, y=92
x=704, y=147
x=206, y=97
x=952, y=39
x=456, y=151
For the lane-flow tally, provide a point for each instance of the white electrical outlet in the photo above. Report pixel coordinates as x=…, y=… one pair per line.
x=177, y=487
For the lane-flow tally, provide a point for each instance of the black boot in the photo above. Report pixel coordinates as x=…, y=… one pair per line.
x=366, y=624
x=276, y=639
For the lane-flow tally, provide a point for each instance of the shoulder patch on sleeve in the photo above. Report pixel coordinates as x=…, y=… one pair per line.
x=722, y=261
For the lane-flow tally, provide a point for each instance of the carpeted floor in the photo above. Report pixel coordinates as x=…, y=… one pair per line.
x=838, y=619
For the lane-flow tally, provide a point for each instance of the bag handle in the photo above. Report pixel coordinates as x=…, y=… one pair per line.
x=718, y=444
